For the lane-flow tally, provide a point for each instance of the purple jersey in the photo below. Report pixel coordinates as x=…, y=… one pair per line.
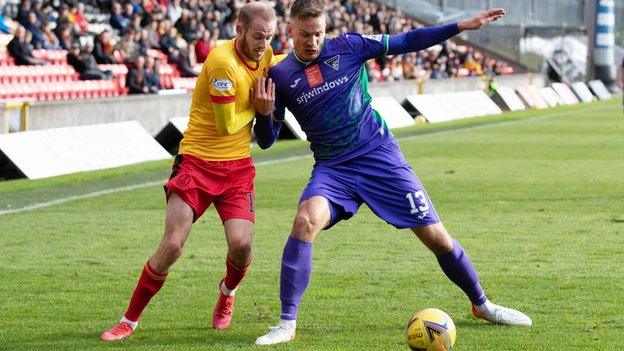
x=329, y=97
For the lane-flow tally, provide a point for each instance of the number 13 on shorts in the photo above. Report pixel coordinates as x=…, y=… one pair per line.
x=418, y=203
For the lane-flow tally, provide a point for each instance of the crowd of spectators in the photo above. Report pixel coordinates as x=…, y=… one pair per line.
x=442, y=61
x=143, y=34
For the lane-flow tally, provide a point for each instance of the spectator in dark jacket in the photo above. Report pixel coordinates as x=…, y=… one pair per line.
x=136, y=80
x=103, y=49
x=117, y=20
x=169, y=46
x=33, y=27
x=185, y=65
x=37, y=8
x=20, y=49
x=186, y=26
x=22, y=13
x=152, y=76
x=85, y=65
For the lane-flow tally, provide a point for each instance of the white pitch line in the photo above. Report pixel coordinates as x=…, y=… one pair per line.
x=490, y=125
x=77, y=197
x=270, y=162
x=125, y=188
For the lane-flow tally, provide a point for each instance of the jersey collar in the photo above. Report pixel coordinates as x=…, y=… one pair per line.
x=306, y=63
x=244, y=60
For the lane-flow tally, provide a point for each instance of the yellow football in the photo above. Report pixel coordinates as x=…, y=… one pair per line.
x=430, y=330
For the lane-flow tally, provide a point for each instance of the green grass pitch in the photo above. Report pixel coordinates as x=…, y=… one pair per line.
x=536, y=198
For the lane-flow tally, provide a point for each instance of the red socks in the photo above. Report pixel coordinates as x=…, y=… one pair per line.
x=234, y=274
x=151, y=281
x=149, y=284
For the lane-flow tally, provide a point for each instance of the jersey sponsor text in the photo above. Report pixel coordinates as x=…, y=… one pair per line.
x=323, y=88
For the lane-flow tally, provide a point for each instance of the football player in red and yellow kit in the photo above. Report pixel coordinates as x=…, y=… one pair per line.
x=214, y=165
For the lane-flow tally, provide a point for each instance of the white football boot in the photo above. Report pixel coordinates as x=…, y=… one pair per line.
x=500, y=315
x=284, y=332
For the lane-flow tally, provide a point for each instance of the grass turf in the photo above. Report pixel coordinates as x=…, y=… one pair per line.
x=536, y=198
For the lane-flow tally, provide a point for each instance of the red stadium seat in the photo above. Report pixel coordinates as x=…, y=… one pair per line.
x=184, y=83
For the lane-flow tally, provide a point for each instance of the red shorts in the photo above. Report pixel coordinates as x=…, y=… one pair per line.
x=227, y=184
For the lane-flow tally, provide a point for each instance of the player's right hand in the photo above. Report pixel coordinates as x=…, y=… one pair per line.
x=481, y=19
x=262, y=96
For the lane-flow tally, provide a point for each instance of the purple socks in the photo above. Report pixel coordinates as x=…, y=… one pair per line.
x=295, y=276
x=459, y=269
x=297, y=269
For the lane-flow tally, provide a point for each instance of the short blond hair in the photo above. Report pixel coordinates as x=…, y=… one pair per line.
x=256, y=9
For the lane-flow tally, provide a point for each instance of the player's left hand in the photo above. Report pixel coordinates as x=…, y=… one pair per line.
x=480, y=20
x=262, y=96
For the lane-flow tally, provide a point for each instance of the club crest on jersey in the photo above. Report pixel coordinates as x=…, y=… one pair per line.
x=333, y=62
x=222, y=84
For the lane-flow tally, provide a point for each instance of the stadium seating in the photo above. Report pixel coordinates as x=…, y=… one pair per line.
x=55, y=57
x=184, y=83
x=5, y=58
x=61, y=90
x=167, y=74
x=57, y=80
x=98, y=18
x=37, y=74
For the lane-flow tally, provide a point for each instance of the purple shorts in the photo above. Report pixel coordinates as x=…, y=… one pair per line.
x=382, y=179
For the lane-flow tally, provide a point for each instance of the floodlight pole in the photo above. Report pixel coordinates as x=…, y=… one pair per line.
x=600, y=53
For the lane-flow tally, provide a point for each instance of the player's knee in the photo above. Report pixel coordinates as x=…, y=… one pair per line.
x=441, y=245
x=171, y=251
x=301, y=224
x=240, y=250
x=305, y=225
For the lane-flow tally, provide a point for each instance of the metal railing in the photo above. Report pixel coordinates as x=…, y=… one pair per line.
x=23, y=122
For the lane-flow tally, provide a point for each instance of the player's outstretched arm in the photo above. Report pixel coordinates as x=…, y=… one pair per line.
x=422, y=38
x=480, y=20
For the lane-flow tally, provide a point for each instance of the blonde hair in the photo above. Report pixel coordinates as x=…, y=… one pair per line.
x=253, y=10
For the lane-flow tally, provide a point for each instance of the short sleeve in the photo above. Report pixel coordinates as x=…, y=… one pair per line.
x=367, y=46
x=221, y=84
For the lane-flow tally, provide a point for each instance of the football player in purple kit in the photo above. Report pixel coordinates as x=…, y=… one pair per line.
x=357, y=160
